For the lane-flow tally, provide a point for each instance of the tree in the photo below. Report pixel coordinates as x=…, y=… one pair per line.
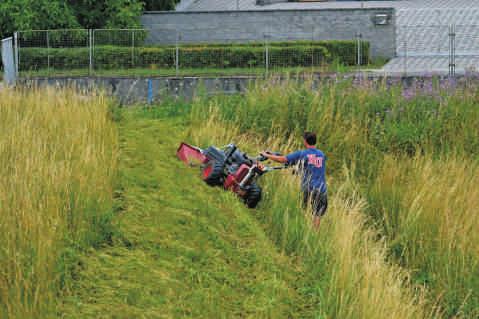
x=18, y=15
x=160, y=5
x=93, y=14
x=123, y=13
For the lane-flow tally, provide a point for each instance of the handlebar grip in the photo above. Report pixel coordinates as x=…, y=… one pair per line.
x=274, y=153
x=262, y=158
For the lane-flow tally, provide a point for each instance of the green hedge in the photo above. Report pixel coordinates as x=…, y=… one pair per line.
x=281, y=54
x=343, y=51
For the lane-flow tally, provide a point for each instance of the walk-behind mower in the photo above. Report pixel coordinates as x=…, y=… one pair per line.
x=230, y=168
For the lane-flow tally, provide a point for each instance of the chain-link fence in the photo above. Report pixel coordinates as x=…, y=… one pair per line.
x=138, y=52
x=435, y=49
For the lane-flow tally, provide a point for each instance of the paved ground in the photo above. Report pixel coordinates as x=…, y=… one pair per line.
x=430, y=65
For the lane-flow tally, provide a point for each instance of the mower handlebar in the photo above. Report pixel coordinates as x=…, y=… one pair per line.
x=273, y=168
x=262, y=158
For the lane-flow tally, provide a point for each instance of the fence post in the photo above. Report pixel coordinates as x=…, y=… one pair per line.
x=405, y=56
x=177, y=54
x=452, y=50
x=48, y=53
x=132, y=48
x=266, y=54
x=312, y=49
x=90, y=45
x=17, y=54
x=359, y=53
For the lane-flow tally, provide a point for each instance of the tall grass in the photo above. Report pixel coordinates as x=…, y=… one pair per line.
x=413, y=157
x=429, y=209
x=358, y=122
x=58, y=160
x=349, y=276
x=346, y=259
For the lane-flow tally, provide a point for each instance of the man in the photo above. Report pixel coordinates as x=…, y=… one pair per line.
x=313, y=182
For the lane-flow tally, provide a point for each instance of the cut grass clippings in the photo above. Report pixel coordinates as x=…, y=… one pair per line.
x=184, y=250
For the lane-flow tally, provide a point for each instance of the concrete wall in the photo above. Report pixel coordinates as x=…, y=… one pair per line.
x=129, y=91
x=244, y=26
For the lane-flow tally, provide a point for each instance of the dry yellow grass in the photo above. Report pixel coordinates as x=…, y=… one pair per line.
x=58, y=160
x=431, y=210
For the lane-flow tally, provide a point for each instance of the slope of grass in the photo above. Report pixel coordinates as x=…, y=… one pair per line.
x=57, y=168
x=403, y=201
x=345, y=261
x=182, y=249
x=413, y=158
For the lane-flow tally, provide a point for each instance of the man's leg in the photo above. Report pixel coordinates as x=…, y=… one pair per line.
x=306, y=197
x=316, y=221
x=320, y=204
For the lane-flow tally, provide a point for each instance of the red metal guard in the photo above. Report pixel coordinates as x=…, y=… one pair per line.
x=190, y=154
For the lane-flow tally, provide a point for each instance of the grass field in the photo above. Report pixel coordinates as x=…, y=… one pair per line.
x=58, y=163
x=137, y=233
x=188, y=250
x=412, y=157
x=184, y=250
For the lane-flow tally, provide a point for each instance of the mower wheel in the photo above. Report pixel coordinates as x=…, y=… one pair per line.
x=213, y=172
x=253, y=196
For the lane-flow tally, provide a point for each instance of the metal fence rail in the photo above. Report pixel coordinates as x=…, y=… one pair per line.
x=171, y=52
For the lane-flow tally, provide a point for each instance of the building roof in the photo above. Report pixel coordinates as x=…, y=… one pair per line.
x=232, y=5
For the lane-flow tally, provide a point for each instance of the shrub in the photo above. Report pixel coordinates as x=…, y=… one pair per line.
x=345, y=51
x=282, y=54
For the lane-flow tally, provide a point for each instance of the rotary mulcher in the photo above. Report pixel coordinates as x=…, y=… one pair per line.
x=230, y=168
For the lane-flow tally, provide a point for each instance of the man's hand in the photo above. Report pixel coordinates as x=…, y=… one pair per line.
x=276, y=158
x=265, y=154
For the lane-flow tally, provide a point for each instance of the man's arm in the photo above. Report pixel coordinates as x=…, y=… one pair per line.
x=290, y=159
x=276, y=158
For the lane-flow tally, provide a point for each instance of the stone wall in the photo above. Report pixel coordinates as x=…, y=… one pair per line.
x=277, y=25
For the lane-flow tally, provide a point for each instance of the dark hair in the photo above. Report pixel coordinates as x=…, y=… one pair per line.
x=310, y=138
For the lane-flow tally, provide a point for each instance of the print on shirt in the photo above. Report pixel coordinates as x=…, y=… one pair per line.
x=315, y=160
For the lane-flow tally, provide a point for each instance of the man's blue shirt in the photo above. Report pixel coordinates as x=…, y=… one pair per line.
x=313, y=163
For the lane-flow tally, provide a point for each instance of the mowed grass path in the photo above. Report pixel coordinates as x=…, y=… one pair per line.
x=181, y=248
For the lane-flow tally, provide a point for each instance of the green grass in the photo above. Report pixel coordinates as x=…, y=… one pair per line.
x=414, y=159
x=145, y=72
x=399, y=241
x=182, y=249
x=345, y=261
x=58, y=153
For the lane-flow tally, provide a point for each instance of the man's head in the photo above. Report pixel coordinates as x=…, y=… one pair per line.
x=309, y=139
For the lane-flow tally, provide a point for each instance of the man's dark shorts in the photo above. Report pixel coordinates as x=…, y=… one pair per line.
x=318, y=200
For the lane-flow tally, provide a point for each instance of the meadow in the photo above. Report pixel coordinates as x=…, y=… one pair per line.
x=409, y=156
x=102, y=220
x=58, y=153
